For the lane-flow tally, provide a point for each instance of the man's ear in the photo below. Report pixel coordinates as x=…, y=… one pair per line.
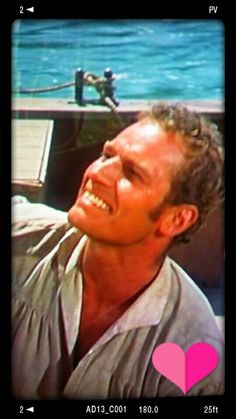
x=176, y=219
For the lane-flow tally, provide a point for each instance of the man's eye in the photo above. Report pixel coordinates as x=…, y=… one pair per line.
x=130, y=172
x=105, y=156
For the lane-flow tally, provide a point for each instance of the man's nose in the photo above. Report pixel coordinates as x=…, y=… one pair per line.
x=107, y=171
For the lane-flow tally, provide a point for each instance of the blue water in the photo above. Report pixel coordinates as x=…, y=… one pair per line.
x=152, y=59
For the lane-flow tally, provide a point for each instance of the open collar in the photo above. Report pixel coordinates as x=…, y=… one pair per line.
x=146, y=311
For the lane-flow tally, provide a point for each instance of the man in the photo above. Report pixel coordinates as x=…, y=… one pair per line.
x=89, y=311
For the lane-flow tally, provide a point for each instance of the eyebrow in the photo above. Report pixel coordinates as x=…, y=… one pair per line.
x=144, y=172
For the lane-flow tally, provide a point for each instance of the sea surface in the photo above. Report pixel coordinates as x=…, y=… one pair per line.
x=151, y=59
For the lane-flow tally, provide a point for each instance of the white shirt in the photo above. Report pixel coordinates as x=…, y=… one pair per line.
x=47, y=301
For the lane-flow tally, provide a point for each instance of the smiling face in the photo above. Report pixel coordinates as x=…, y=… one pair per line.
x=127, y=183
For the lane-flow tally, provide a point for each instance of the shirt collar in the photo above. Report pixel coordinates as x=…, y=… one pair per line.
x=148, y=309
x=154, y=305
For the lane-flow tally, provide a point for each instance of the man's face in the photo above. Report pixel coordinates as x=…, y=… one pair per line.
x=127, y=183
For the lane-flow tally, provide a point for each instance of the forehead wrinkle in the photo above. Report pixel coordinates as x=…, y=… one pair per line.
x=125, y=148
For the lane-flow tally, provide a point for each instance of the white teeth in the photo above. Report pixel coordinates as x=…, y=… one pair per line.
x=96, y=201
x=89, y=184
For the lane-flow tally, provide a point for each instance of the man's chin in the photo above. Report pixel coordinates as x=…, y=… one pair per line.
x=78, y=219
x=74, y=217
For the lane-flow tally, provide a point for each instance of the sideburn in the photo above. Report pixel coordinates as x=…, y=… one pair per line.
x=155, y=213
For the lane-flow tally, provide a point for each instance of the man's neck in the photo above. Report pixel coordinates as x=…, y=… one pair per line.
x=116, y=275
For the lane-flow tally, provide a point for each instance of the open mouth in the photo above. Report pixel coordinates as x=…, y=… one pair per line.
x=97, y=201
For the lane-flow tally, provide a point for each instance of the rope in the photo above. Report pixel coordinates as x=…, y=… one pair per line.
x=89, y=79
x=47, y=89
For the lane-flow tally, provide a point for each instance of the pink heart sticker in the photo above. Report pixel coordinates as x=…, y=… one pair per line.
x=185, y=369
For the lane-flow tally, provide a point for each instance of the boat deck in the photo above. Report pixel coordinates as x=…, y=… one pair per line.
x=31, y=141
x=61, y=108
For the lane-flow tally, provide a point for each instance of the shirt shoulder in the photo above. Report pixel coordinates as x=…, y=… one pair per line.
x=36, y=229
x=194, y=315
x=28, y=215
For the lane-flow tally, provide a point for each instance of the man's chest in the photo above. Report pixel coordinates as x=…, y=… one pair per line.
x=93, y=324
